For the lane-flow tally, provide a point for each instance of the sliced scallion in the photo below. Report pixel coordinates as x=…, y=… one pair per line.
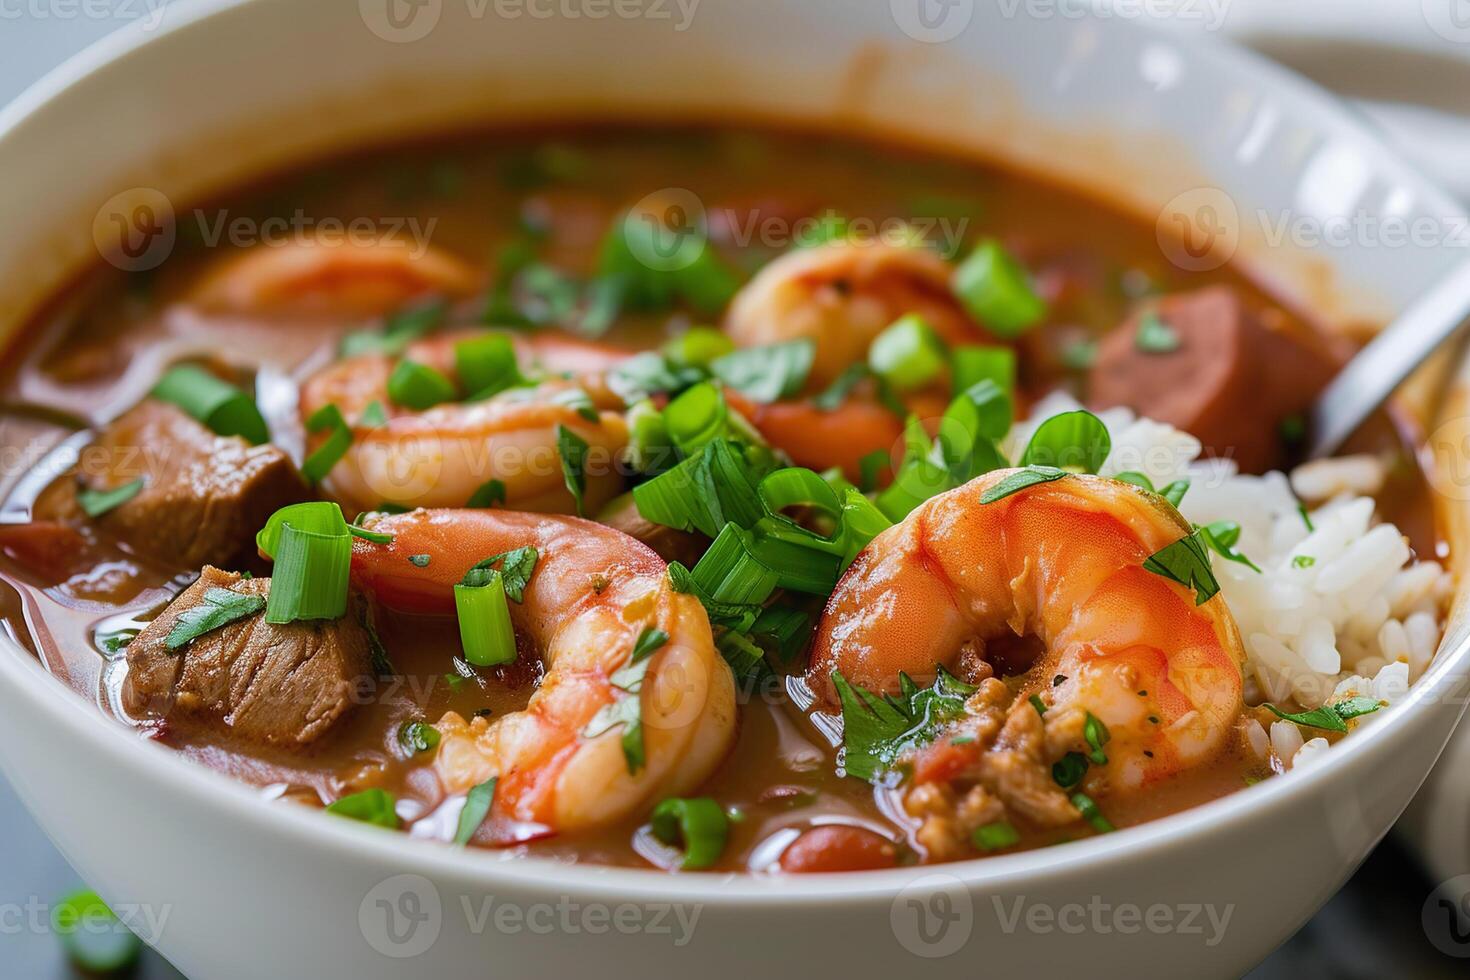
x=486, y=365
x=223, y=408
x=767, y=374
x=908, y=354
x=699, y=826
x=995, y=289
x=310, y=577
x=338, y=441
x=418, y=386
x=485, y=629
x=374, y=806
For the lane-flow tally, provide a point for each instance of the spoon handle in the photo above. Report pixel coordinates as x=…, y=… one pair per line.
x=1382, y=365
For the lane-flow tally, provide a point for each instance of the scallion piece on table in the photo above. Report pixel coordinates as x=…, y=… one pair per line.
x=418, y=386
x=699, y=826
x=485, y=629
x=92, y=936
x=908, y=354
x=995, y=289
x=217, y=404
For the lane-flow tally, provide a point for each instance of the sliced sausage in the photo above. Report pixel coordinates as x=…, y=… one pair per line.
x=1232, y=380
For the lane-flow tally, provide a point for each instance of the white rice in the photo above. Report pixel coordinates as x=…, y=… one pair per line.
x=1338, y=610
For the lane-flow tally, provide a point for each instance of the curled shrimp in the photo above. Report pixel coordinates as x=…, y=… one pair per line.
x=348, y=277
x=442, y=456
x=842, y=295
x=593, y=593
x=959, y=582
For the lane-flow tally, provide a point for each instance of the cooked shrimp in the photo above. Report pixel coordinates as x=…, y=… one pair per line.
x=593, y=593
x=959, y=583
x=440, y=457
x=350, y=277
x=842, y=295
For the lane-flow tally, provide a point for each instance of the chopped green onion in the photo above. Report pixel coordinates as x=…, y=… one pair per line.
x=486, y=365
x=696, y=417
x=92, y=935
x=650, y=449
x=767, y=374
x=747, y=660
x=698, y=347
x=320, y=463
x=476, y=808
x=98, y=502
x=908, y=354
x=995, y=836
x=994, y=288
x=1303, y=561
x=972, y=364
x=1154, y=336
x=317, y=516
x=1097, y=735
x=421, y=561
x=572, y=450
x=699, y=825
x=374, y=806
x=794, y=486
x=1071, y=440
x=219, y=405
x=418, y=386
x=1068, y=771
x=367, y=534
x=417, y=736
x=311, y=576
x=871, y=467
x=787, y=630
x=730, y=572
x=219, y=608
x=1038, y=704
x=1091, y=813
x=862, y=521
x=1186, y=562
x=972, y=424
x=485, y=629
x=490, y=493
x=705, y=492
x=1021, y=480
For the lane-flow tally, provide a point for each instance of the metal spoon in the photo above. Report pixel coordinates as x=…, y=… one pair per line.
x=1383, y=364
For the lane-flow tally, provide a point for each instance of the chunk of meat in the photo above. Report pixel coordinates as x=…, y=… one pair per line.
x=203, y=498
x=1233, y=379
x=281, y=685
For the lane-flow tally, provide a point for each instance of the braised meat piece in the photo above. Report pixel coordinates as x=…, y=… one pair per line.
x=278, y=684
x=203, y=496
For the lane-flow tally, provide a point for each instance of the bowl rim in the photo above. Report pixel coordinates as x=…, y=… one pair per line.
x=476, y=869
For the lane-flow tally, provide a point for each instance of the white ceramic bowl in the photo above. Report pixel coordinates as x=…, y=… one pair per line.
x=1183, y=130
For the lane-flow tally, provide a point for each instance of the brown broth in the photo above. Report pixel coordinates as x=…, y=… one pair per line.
x=76, y=365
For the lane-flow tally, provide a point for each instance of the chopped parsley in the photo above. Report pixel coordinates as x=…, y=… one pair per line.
x=99, y=502
x=219, y=608
x=489, y=494
x=1329, y=717
x=1185, y=562
x=877, y=730
x=572, y=449
x=628, y=711
x=1016, y=482
x=516, y=567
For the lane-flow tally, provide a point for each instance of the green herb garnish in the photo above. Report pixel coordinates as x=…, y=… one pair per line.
x=220, y=607
x=877, y=730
